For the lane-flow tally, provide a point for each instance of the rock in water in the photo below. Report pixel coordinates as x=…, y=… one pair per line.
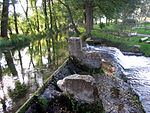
x=81, y=87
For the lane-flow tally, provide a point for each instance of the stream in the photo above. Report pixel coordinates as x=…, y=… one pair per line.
x=29, y=66
x=136, y=69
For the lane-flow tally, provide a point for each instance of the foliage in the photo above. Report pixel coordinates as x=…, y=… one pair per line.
x=124, y=43
x=19, y=40
x=18, y=91
x=136, y=99
x=43, y=103
x=101, y=25
x=76, y=107
x=129, y=21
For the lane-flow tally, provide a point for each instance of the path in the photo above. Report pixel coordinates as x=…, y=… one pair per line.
x=134, y=33
x=143, y=35
x=140, y=27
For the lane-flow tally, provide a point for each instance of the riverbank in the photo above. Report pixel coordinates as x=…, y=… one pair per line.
x=121, y=41
x=29, y=66
x=107, y=92
x=19, y=41
x=113, y=94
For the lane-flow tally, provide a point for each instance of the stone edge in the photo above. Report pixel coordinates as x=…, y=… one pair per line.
x=40, y=90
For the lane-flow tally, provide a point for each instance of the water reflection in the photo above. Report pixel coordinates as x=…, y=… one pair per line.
x=30, y=66
x=10, y=63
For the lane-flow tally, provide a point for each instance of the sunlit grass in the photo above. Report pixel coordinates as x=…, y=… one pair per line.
x=123, y=43
x=142, y=31
x=19, y=40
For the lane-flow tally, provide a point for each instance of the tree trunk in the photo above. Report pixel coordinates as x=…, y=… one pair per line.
x=51, y=17
x=37, y=16
x=70, y=16
x=26, y=14
x=72, y=21
x=45, y=13
x=4, y=21
x=106, y=21
x=15, y=19
x=10, y=30
x=89, y=16
x=116, y=20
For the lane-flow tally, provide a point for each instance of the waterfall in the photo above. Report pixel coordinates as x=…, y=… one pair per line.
x=136, y=69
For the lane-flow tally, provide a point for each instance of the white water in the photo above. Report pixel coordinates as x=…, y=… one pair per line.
x=136, y=69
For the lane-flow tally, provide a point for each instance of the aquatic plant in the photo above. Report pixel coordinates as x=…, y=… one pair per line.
x=43, y=103
x=18, y=91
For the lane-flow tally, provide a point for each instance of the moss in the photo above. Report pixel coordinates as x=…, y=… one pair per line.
x=26, y=106
x=81, y=68
x=135, y=98
x=43, y=103
x=73, y=106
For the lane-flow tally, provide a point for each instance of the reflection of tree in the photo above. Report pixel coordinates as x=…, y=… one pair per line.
x=0, y=71
x=48, y=42
x=53, y=45
x=40, y=53
x=0, y=65
x=56, y=52
x=31, y=56
x=10, y=62
x=3, y=100
x=20, y=59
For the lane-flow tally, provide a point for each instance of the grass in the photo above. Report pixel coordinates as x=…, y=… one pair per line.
x=123, y=43
x=19, y=40
x=18, y=91
x=142, y=31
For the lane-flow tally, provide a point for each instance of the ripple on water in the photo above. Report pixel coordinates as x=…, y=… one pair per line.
x=136, y=69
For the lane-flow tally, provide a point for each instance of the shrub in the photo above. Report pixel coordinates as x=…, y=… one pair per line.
x=129, y=21
x=101, y=25
x=18, y=91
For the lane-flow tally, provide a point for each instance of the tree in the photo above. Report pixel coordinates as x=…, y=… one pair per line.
x=45, y=14
x=15, y=16
x=4, y=21
x=70, y=16
x=35, y=10
x=89, y=15
x=26, y=15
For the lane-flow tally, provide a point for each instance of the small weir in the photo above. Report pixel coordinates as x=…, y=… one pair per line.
x=136, y=69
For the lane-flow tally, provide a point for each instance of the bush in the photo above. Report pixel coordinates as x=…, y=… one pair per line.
x=101, y=25
x=18, y=91
x=129, y=21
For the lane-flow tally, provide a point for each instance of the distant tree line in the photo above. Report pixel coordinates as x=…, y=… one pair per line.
x=62, y=15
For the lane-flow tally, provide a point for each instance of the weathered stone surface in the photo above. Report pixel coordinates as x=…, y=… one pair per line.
x=91, y=59
x=143, y=39
x=75, y=46
x=138, y=46
x=116, y=95
x=132, y=34
x=81, y=87
x=148, y=42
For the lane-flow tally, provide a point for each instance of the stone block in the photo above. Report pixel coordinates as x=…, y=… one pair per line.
x=81, y=87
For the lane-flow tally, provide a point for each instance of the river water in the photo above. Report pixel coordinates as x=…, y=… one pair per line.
x=29, y=66
x=136, y=69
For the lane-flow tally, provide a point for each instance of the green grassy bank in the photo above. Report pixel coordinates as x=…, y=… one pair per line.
x=124, y=43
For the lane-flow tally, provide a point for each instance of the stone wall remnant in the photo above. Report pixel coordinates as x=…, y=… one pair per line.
x=81, y=87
